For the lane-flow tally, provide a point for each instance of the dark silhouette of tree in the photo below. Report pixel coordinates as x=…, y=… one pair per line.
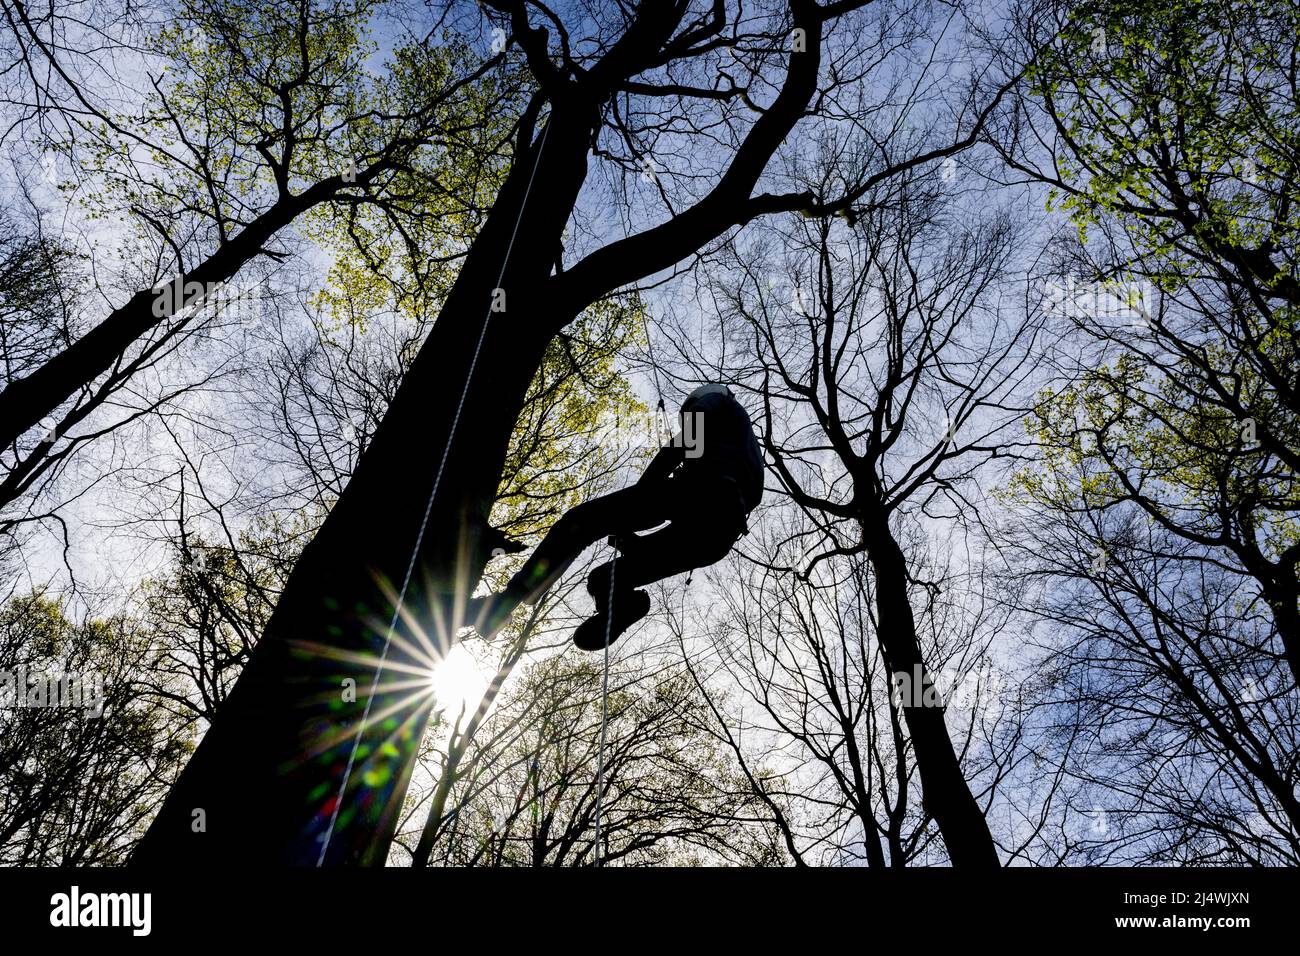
x=526, y=791
x=265, y=117
x=814, y=689
x=1160, y=513
x=77, y=789
x=887, y=367
x=1186, y=283
x=285, y=733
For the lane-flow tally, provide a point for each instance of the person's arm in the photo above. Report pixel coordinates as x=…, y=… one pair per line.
x=664, y=461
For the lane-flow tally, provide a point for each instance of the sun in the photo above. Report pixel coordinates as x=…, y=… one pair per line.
x=458, y=680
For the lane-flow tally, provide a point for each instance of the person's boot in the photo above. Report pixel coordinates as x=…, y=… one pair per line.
x=629, y=607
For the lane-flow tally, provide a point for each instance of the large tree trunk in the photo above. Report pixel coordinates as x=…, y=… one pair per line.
x=267, y=774
x=945, y=792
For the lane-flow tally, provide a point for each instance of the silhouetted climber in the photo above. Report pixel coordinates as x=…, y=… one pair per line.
x=704, y=482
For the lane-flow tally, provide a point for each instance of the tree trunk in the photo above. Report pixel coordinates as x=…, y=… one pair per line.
x=267, y=774
x=945, y=793
x=25, y=401
x=1282, y=598
x=457, y=746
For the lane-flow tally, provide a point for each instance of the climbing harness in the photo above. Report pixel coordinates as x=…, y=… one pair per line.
x=428, y=509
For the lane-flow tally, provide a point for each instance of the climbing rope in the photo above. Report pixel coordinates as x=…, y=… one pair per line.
x=609, y=615
x=604, y=705
x=662, y=411
x=428, y=509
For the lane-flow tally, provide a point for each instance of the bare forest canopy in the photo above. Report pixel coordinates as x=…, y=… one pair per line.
x=315, y=316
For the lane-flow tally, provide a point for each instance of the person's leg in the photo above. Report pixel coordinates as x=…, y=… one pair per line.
x=704, y=527
x=707, y=519
x=674, y=550
x=631, y=509
x=639, y=506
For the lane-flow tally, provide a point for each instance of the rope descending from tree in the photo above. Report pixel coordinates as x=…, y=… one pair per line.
x=428, y=509
x=604, y=705
x=661, y=417
x=609, y=618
